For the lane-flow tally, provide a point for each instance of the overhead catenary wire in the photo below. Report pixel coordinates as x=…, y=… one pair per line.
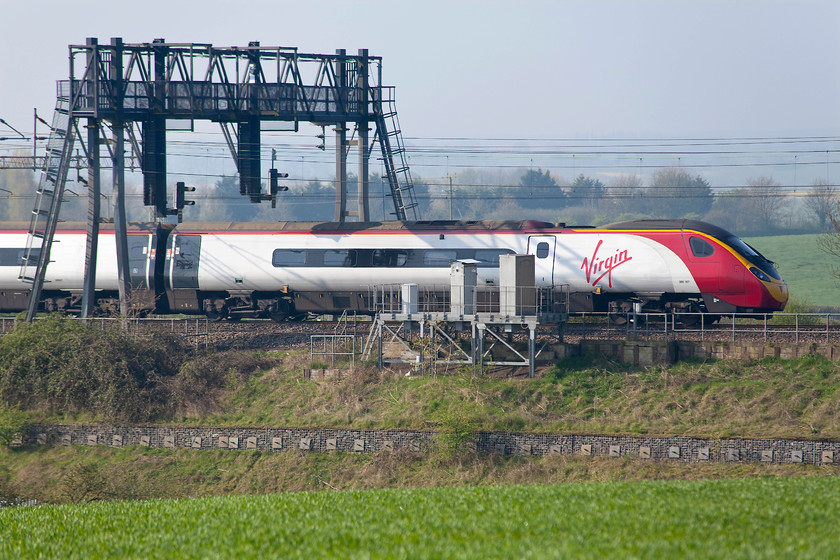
x=558, y=155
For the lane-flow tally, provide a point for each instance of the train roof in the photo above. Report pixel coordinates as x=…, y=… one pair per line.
x=413, y=226
x=694, y=225
x=351, y=227
x=149, y=227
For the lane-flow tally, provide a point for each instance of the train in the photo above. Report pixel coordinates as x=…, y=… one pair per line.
x=286, y=270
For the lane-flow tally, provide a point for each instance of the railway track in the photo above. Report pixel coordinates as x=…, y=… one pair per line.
x=725, y=331
x=266, y=334
x=251, y=334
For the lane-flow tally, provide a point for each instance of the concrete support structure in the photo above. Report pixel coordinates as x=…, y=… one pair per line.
x=490, y=320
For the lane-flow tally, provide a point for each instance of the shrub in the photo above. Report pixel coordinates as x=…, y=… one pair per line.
x=12, y=424
x=201, y=379
x=58, y=364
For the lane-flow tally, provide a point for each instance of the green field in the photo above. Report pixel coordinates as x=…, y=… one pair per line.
x=805, y=268
x=752, y=518
x=447, y=503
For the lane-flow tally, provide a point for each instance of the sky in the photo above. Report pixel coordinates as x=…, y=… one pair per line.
x=528, y=71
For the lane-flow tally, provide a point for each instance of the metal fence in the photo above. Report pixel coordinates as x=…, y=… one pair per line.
x=776, y=327
x=822, y=328
x=195, y=329
x=335, y=346
x=485, y=299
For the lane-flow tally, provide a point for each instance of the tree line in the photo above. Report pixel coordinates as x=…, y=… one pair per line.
x=762, y=206
x=759, y=207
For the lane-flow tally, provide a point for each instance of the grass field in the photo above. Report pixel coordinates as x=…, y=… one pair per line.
x=80, y=474
x=752, y=518
x=805, y=268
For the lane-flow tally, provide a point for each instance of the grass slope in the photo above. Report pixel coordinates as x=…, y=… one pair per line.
x=805, y=268
x=757, y=518
x=767, y=398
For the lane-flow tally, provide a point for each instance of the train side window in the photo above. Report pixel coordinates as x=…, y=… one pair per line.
x=701, y=247
x=361, y=257
x=288, y=257
x=380, y=257
x=389, y=257
x=338, y=257
x=14, y=257
x=490, y=257
x=438, y=257
x=542, y=250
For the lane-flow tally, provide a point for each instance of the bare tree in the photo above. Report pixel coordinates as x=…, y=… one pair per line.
x=821, y=199
x=674, y=193
x=766, y=200
x=590, y=190
x=626, y=193
x=830, y=242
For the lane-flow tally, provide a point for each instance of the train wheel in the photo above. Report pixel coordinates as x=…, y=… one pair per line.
x=213, y=315
x=279, y=311
x=690, y=317
x=618, y=319
x=216, y=310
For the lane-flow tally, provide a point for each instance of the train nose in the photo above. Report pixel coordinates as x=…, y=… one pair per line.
x=779, y=292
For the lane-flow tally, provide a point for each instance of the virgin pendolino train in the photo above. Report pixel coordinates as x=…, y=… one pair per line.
x=287, y=269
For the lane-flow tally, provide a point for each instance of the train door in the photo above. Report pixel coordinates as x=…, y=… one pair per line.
x=139, y=263
x=141, y=267
x=181, y=272
x=713, y=269
x=183, y=261
x=703, y=263
x=542, y=247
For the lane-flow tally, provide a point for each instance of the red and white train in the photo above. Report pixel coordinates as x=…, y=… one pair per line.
x=285, y=269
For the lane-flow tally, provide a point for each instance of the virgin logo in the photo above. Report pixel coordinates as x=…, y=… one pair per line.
x=600, y=267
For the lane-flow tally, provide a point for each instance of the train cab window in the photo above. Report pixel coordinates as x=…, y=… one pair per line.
x=288, y=257
x=438, y=257
x=542, y=250
x=338, y=257
x=701, y=247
